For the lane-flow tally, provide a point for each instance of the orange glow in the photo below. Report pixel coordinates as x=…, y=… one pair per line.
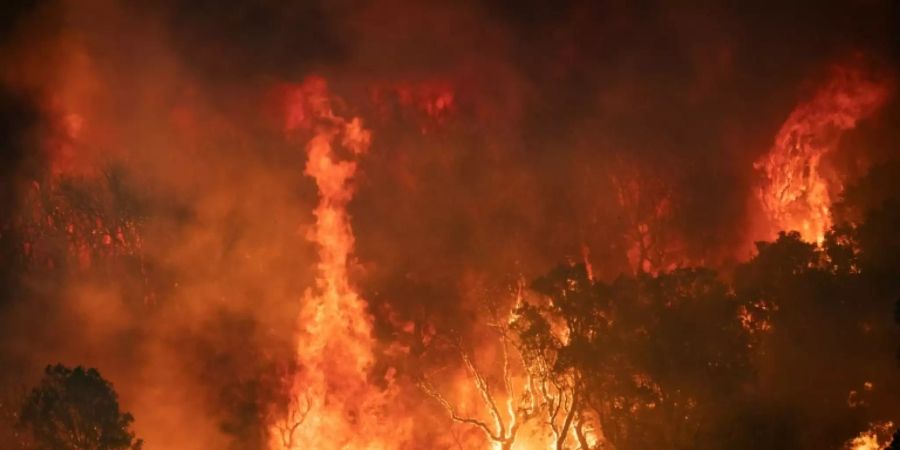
x=332, y=405
x=877, y=437
x=259, y=258
x=798, y=188
x=432, y=102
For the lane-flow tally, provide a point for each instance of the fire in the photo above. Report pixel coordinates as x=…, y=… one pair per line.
x=153, y=193
x=797, y=187
x=332, y=404
x=877, y=437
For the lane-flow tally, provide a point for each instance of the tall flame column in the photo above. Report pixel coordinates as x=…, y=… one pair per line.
x=334, y=405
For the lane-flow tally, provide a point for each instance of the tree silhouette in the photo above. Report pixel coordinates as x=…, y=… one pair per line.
x=563, y=340
x=76, y=409
x=645, y=361
x=827, y=310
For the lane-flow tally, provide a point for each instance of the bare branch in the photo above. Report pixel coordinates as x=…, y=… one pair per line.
x=295, y=417
x=520, y=407
x=429, y=389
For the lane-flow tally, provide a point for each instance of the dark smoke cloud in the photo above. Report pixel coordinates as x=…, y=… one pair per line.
x=238, y=40
x=12, y=13
x=18, y=115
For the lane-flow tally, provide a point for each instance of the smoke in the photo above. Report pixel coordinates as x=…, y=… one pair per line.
x=144, y=160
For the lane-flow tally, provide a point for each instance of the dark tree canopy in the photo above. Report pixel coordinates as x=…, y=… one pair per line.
x=656, y=359
x=76, y=409
x=793, y=348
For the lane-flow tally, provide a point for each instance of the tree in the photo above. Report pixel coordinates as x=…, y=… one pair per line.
x=558, y=338
x=502, y=429
x=826, y=347
x=643, y=362
x=646, y=198
x=688, y=355
x=76, y=409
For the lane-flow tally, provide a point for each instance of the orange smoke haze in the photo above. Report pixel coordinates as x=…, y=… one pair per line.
x=262, y=221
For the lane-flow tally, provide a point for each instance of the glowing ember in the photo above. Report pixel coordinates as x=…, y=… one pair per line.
x=797, y=191
x=877, y=437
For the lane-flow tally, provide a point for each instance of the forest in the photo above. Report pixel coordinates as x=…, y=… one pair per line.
x=438, y=225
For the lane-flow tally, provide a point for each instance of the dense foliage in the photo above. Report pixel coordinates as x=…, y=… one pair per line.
x=76, y=409
x=792, y=349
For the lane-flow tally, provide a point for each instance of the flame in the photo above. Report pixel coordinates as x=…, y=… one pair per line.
x=797, y=189
x=877, y=437
x=332, y=404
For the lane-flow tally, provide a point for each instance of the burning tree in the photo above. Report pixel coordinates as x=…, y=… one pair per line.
x=831, y=307
x=517, y=398
x=91, y=223
x=632, y=363
x=291, y=419
x=547, y=338
x=645, y=197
